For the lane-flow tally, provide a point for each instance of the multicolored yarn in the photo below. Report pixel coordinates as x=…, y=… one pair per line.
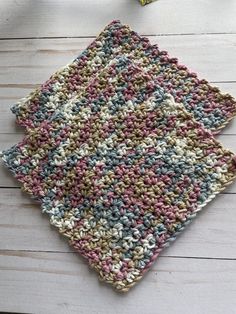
x=144, y=2
x=121, y=169
x=205, y=102
x=118, y=164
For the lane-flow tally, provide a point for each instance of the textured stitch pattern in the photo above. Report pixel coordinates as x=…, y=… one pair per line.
x=205, y=102
x=121, y=170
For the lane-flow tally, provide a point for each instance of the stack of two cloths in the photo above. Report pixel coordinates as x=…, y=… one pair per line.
x=120, y=152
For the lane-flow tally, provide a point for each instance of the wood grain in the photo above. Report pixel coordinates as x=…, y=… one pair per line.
x=62, y=283
x=31, y=61
x=59, y=18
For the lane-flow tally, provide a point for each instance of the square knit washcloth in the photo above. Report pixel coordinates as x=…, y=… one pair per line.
x=121, y=174
x=208, y=105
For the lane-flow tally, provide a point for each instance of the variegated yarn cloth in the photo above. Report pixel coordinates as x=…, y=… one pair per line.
x=120, y=152
x=206, y=102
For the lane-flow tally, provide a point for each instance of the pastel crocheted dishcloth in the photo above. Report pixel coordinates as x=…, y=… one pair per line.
x=121, y=169
x=208, y=105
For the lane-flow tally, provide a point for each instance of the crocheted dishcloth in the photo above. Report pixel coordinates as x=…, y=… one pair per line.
x=121, y=171
x=208, y=105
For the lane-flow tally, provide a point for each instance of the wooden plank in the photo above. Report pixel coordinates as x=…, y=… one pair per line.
x=52, y=18
x=211, y=234
x=24, y=227
x=62, y=283
x=8, y=140
x=229, y=141
x=28, y=62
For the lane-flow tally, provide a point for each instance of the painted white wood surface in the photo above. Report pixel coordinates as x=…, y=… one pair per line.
x=62, y=283
x=65, y=18
x=39, y=273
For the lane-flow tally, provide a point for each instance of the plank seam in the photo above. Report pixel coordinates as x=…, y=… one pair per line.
x=165, y=256
x=94, y=36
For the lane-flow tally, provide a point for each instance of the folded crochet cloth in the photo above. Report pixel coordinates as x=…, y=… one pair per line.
x=205, y=102
x=120, y=167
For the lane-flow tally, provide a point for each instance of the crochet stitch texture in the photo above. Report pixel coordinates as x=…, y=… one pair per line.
x=118, y=165
x=206, y=102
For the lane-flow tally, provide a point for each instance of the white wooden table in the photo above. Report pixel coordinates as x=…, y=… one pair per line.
x=39, y=273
